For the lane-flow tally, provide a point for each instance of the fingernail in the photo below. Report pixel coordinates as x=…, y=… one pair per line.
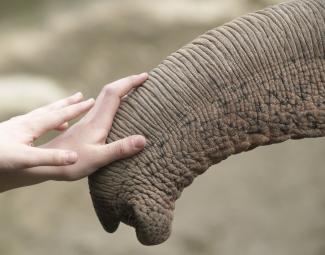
x=139, y=142
x=90, y=101
x=77, y=95
x=71, y=157
x=143, y=75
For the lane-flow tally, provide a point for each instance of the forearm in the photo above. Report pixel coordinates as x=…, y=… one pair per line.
x=17, y=180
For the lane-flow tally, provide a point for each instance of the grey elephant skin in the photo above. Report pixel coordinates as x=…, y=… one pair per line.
x=255, y=81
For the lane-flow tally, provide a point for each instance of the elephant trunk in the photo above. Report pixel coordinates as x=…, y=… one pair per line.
x=257, y=80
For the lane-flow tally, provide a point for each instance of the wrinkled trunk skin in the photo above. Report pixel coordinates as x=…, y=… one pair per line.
x=257, y=80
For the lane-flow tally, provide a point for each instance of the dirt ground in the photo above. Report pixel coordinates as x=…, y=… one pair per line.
x=267, y=201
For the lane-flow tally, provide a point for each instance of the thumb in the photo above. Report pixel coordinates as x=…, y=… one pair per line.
x=48, y=157
x=120, y=149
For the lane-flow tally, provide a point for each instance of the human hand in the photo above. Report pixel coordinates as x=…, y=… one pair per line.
x=75, y=153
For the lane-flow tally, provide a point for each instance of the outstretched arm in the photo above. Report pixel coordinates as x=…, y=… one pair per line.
x=75, y=153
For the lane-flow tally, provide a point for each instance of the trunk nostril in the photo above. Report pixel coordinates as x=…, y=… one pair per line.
x=128, y=216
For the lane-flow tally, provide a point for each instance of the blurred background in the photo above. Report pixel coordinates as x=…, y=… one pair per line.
x=267, y=201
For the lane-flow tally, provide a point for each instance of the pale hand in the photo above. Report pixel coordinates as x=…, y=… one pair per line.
x=75, y=153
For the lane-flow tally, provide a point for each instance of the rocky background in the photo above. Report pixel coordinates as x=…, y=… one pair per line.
x=267, y=201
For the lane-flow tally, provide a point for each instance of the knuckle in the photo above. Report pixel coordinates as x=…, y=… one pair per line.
x=31, y=131
x=109, y=90
x=58, y=158
x=62, y=116
x=68, y=101
x=28, y=129
x=28, y=162
x=122, y=148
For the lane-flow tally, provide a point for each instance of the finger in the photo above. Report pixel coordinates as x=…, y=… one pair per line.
x=108, y=101
x=34, y=156
x=76, y=98
x=40, y=124
x=125, y=85
x=121, y=149
x=126, y=96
